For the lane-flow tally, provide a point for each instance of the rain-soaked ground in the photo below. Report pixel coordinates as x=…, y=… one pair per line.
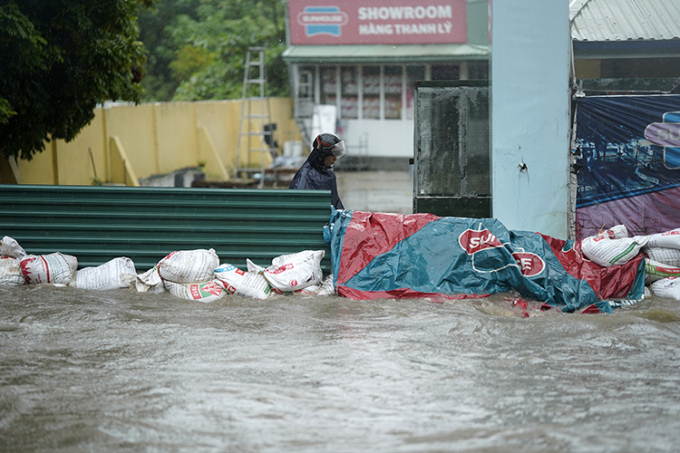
x=126, y=371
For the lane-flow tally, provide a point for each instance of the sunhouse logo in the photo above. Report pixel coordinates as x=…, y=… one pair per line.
x=322, y=20
x=667, y=134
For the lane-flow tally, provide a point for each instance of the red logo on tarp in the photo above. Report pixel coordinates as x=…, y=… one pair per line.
x=529, y=263
x=473, y=241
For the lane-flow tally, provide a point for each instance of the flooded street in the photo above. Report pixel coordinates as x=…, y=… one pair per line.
x=126, y=371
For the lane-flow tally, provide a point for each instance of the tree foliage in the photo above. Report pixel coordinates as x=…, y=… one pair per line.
x=58, y=60
x=203, y=45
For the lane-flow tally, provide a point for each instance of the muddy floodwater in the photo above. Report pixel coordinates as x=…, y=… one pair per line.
x=132, y=372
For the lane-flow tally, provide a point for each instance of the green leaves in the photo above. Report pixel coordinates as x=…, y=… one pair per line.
x=209, y=45
x=58, y=60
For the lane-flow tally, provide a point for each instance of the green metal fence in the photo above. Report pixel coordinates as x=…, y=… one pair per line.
x=96, y=224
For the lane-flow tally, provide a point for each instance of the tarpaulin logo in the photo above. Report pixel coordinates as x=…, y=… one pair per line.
x=492, y=260
x=322, y=20
x=530, y=264
x=473, y=241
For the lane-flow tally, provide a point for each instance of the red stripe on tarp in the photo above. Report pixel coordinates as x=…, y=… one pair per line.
x=590, y=310
x=613, y=282
x=369, y=235
x=403, y=293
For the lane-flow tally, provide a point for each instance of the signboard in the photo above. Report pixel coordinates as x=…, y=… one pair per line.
x=377, y=22
x=628, y=150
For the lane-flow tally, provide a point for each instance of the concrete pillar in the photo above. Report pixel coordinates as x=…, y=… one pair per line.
x=530, y=105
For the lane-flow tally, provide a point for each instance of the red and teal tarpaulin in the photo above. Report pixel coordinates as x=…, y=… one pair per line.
x=383, y=255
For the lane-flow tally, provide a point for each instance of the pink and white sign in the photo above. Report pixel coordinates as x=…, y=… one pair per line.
x=378, y=21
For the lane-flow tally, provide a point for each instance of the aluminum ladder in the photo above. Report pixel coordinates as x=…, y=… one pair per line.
x=253, y=124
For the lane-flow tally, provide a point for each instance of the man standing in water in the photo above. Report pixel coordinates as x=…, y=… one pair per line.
x=317, y=171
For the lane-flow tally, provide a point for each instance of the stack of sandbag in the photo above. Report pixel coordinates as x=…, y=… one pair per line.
x=662, y=263
x=18, y=268
x=294, y=273
x=54, y=268
x=662, y=255
x=612, y=247
x=187, y=274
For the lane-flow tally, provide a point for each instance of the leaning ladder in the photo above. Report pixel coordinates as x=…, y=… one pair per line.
x=252, y=124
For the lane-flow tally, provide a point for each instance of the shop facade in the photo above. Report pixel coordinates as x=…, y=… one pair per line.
x=353, y=67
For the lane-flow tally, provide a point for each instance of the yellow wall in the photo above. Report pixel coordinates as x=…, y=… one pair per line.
x=155, y=139
x=73, y=161
x=136, y=129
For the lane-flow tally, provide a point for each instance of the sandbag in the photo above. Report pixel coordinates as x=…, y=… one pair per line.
x=655, y=270
x=667, y=287
x=199, y=291
x=289, y=273
x=668, y=239
x=52, y=268
x=611, y=248
x=149, y=282
x=10, y=271
x=188, y=266
x=668, y=256
x=114, y=274
x=10, y=247
x=236, y=281
x=327, y=288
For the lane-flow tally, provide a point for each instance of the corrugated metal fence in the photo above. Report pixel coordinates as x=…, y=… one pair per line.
x=96, y=224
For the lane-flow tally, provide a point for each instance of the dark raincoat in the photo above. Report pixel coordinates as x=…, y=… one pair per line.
x=314, y=176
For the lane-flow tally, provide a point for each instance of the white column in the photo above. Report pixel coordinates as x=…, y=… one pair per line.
x=530, y=115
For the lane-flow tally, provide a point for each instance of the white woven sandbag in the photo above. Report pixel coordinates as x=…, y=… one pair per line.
x=294, y=272
x=667, y=287
x=51, y=268
x=607, y=251
x=668, y=239
x=668, y=256
x=615, y=232
x=236, y=281
x=327, y=289
x=10, y=271
x=10, y=247
x=149, y=282
x=656, y=271
x=188, y=266
x=199, y=291
x=114, y=274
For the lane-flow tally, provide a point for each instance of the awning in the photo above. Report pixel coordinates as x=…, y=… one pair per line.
x=385, y=53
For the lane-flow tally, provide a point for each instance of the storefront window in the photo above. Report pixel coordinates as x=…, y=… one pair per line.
x=445, y=72
x=478, y=70
x=329, y=85
x=349, y=103
x=371, y=92
x=392, y=89
x=413, y=74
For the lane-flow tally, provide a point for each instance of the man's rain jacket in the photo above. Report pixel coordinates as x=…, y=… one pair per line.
x=314, y=176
